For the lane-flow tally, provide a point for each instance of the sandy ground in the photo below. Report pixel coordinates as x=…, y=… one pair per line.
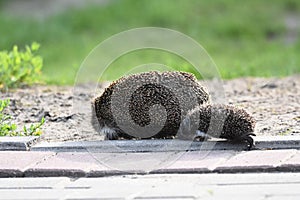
x=274, y=103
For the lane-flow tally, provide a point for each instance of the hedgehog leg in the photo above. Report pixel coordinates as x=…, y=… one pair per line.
x=110, y=134
x=201, y=136
x=247, y=138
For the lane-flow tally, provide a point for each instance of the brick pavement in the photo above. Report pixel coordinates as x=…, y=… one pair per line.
x=91, y=164
x=102, y=158
x=150, y=171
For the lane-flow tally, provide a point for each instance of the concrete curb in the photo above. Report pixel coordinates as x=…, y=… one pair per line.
x=18, y=143
x=127, y=146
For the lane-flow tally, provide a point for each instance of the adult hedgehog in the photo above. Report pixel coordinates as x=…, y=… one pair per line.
x=148, y=105
x=165, y=105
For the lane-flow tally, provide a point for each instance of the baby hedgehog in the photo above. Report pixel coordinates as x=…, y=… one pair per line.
x=147, y=105
x=221, y=121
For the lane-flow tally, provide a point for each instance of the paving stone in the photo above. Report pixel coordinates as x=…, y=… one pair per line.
x=198, y=161
x=294, y=160
x=252, y=161
x=34, y=183
x=256, y=191
x=137, y=162
x=160, y=162
x=280, y=197
x=93, y=164
x=13, y=163
x=176, y=186
x=136, y=187
x=197, y=186
x=75, y=164
x=106, y=189
x=32, y=194
x=292, y=164
x=226, y=178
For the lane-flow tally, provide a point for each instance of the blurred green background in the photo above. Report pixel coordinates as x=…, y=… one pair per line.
x=244, y=38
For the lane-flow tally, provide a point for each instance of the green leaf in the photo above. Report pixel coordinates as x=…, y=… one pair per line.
x=25, y=129
x=35, y=46
x=42, y=121
x=13, y=127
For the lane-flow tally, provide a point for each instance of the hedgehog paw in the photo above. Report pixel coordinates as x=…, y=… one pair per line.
x=247, y=138
x=201, y=136
x=110, y=134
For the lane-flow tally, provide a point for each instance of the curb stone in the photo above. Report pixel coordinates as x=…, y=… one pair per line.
x=127, y=146
x=25, y=143
x=18, y=143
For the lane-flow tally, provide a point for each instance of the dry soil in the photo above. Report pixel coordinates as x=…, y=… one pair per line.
x=274, y=103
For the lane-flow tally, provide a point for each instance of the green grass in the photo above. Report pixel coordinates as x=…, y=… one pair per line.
x=245, y=38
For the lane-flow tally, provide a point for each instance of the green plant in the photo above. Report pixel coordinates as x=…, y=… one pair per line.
x=6, y=128
x=10, y=129
x=20, y=67
x=34, y=129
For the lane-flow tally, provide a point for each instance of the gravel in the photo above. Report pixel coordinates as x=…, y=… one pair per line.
x=274, y=103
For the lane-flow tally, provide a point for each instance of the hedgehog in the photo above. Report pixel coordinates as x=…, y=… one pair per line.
x=187, y=111
x=220, y=121
x=147, y=105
